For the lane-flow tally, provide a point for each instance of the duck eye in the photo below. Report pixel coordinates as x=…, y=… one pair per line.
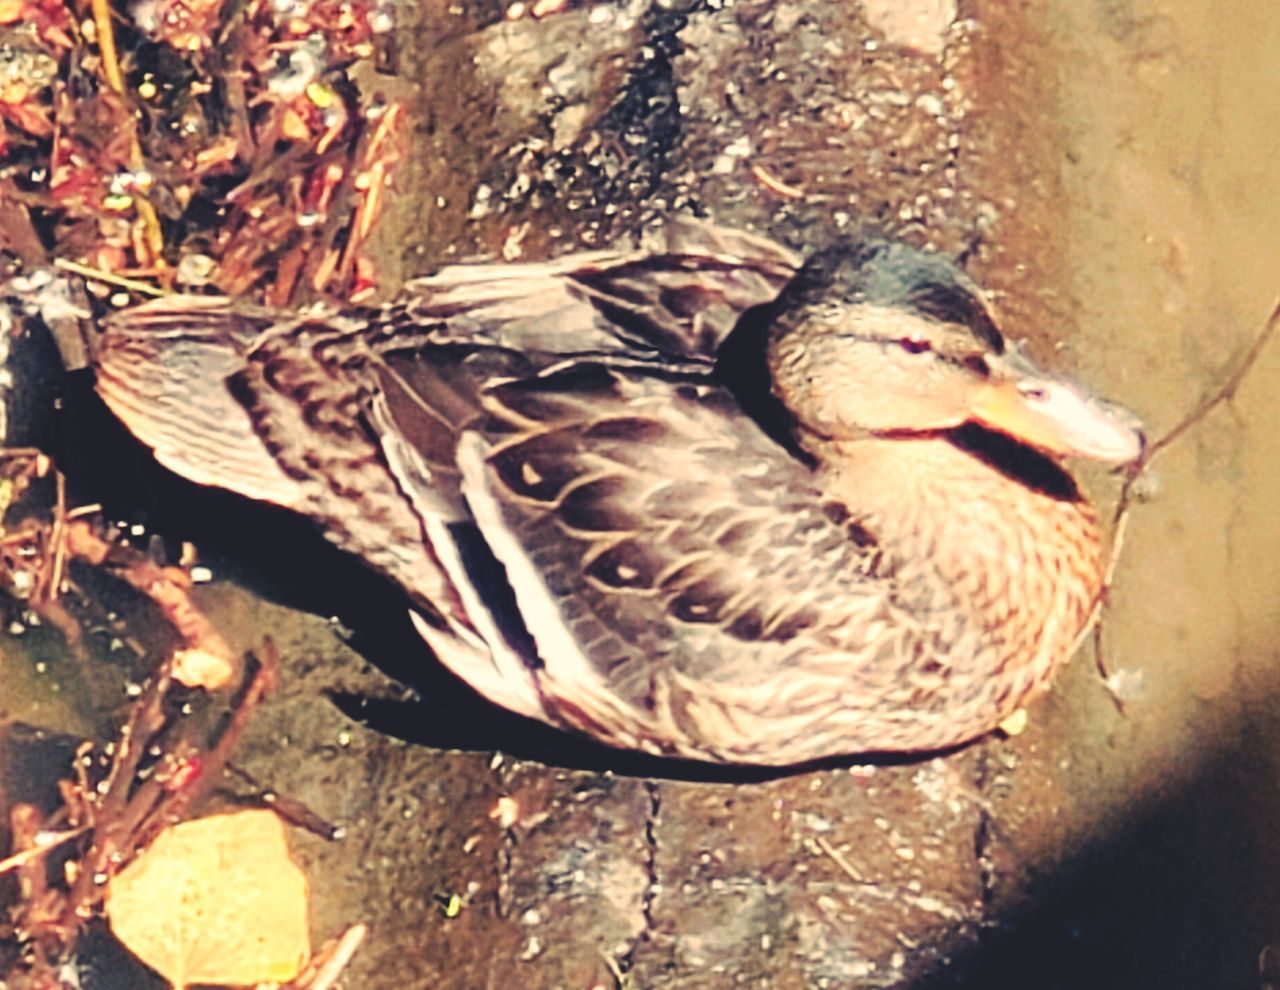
x=913, y=345
x=977, y=364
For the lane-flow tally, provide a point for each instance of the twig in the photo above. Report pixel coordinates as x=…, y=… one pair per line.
x=57, y=538
x=1124, y=502
x=47, y=844
x=845, y=866
x=107, y=44
x=167, y=588
x=115, y=79
x=98, y=275
x=328, y=965
x=774, y=184
x=265, y=679
x=125, y=815
x=111, y=838
x=1225, y=393
x=291, y=810
x=21, y=453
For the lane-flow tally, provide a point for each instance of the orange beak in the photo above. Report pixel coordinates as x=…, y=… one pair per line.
x=1054, y=415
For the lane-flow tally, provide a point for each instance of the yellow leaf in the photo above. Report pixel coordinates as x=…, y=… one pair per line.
x=215, y=901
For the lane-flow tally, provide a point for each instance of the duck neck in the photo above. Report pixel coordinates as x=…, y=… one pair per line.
x=982, y=528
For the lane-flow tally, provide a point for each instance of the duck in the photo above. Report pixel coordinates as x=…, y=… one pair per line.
x=694, y=495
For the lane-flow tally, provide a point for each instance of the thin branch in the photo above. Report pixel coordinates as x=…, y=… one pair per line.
x=846, y=867
x=1124, y=502
x=115, y=79
x=107, y=44
x=98, y=275
x=57, y=539
x=1225, y=393
x=326, y=969
x=47, y=845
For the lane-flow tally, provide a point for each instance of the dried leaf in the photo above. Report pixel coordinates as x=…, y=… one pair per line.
x=215, y=901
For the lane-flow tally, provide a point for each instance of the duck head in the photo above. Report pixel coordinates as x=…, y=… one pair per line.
x=881, y=339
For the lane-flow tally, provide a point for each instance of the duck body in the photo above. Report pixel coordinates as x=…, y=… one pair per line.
x=695, y=498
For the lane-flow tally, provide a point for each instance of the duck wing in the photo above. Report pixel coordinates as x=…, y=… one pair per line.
x=164, y=367
x=678, y=294
x=655, y=543
x=275, y=410
x=353, y=419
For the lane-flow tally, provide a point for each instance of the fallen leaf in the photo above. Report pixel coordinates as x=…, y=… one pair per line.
x=215, y=901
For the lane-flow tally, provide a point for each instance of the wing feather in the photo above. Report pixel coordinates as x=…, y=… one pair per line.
x=549, y=428
x=161, y=370
x=648, y=564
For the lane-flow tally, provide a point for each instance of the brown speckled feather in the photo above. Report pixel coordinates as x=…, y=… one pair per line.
x=727, y=574
x=595, y=533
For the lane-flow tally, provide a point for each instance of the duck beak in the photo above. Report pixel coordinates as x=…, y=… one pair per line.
x=1054, y=415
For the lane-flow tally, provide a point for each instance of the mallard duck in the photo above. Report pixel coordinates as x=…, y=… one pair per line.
x=693, y=497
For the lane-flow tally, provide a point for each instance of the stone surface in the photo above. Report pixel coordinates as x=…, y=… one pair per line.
x=1106, y=171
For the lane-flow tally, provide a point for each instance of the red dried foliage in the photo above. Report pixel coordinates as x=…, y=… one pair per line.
x=239, y=156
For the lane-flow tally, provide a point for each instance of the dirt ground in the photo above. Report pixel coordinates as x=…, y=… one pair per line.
x=1104, y=168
